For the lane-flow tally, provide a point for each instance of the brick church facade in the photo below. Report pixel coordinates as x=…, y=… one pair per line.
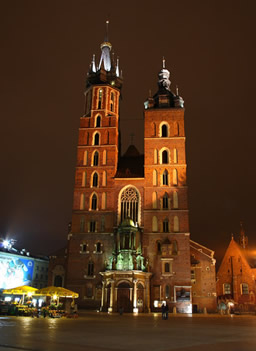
x=129, y=245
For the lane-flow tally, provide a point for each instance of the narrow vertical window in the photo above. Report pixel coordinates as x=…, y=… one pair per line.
x=175, y=155
x=92, y=226
x=154, y=224
x=155, y=156
x=164, y=131
x=112, y=101
x=98, y=247
x=167, y=290
x=100, y=99
x=84, y=176
x=94, y=202
x=82, y=202
x=175, y=177
x=154, y=177
x=95, y=179
x=176, y=225
x=167, y=267
x=98, y=121
x=165, y=201
x=102, y=223
x=96, y=139
x=166, y=225
x=165, y=157
x=90, y=268
x=176, y=129
x=175, y=200
x=158, y=246
x=82, y=222
x=154, y=200
x=96, y=158
x=104, y=157
x=104, y=201
x=85, y=158
x=104, y=178
x=165, y=177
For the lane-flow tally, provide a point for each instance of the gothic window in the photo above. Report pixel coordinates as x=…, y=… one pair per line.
x=95, y=179
x=96, y=158
x=154, y=224
x=176, y=226
x=167, y=267
x=226, y=289
x=100, y=99
x=92, y=226
x=165, y=157
x=176, y=129
x=244, y=289
x=155, y=156
x=129, y=202
x=165, y=177
x=82, y=224
x=98, y=121
x=82, y=201
x=104, y=157
x=175, y=200
x=84, y=178
x=90, y=268
x=166, y=226
x=112, y=101
x=96, y=139
x=98, y=247
x=164, y=131
x=85, y=158
x=154, y=200
x=167, y=291
x=175, y=177
x=104, y=201
x=104, y=178
x=175, y=155
x=165, y=201
x=154, y=177
x=94, y=202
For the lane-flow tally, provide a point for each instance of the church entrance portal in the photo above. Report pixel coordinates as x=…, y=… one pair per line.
x=123, y=297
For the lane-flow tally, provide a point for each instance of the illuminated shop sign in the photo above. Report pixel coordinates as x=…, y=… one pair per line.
x=15, y=271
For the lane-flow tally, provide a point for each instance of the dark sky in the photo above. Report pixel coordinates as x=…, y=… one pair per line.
x=46, y=48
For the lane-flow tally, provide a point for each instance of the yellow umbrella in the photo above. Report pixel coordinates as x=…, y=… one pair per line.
x=58, y=291
x=21, y=290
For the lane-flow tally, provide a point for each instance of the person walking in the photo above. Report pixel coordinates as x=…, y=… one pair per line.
x=163, y=310
x=166, y=311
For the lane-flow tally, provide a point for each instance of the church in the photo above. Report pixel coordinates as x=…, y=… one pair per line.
x=129, y=245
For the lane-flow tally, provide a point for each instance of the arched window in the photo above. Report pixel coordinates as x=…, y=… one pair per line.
x=154, y=200
x=129, y=202
x=165, y=157
x=95, y=179
x=166, y=225
x=85, y=158
x=100, y=99
x=90, y=268
x=167, y=290
x=98, y=247
x=154, y=177
x=104, y=178
x=175, y=156
x=104, y=157
x=96, y=158
x=84, y=176
x=176, y=129
x=164, y=131
x=94, y=202
x=112, y=101
x=175, y=177
x=82, y=222
x=104, y=201
x=176, y=225
x=98, y=121
x=96, y=139
x=155, y=156
x=167, y=267
x=165, y=177
x=175, y=200
x=154, y=224
x=82, y=201
x=165, y=201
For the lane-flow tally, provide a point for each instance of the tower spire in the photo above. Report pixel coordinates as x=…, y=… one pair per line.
x=243, y=239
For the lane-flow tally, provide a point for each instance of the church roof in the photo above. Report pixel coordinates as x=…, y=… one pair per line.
x=131, y=164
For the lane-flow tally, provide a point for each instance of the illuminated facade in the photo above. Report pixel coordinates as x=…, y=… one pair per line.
x=129, y=245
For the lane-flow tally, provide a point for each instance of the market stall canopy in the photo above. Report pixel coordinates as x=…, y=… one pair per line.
x=21, y=290
x=58, y=291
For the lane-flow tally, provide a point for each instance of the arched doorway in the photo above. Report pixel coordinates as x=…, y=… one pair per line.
x=140, y=297
x=124, y=301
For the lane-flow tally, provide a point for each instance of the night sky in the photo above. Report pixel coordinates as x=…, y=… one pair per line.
x=46, y=48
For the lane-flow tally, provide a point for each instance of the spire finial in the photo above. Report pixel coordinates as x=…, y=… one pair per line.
x=106, y=36
x=163, y=62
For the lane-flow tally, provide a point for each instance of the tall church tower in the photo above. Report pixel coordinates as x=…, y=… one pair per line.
x=166, y=222
x=97, y=159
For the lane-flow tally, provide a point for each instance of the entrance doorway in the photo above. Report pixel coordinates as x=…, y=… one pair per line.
x=123, y=297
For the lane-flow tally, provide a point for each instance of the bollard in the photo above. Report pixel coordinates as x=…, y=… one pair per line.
x=174, y=311
x=205, y=310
